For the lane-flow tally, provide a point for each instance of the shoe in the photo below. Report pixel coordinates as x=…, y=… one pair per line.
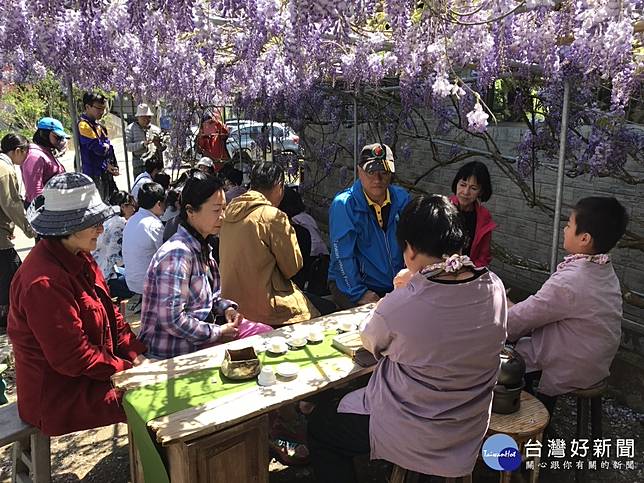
x=289, y=453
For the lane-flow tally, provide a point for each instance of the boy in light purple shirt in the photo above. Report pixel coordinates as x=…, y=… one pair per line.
x=569, y=331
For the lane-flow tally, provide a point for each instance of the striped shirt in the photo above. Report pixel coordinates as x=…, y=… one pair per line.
x=179, y=303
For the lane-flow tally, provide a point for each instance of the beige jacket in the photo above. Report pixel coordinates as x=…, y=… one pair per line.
x=259, y=254
x=12, y=211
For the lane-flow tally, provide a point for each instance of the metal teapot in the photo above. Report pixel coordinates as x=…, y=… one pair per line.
x=512, y=368
x=507, y=392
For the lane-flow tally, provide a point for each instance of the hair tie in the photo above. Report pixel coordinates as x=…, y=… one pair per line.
x=450, y=264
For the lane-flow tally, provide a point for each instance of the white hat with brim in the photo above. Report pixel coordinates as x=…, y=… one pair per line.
x=205, y=161
x=71, y=204
x=143, y=110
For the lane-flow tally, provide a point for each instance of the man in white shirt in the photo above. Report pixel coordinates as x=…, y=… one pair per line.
x=152, y=167
x=143, y=235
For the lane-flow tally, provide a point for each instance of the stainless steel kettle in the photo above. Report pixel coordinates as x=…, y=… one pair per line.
x=512, y=368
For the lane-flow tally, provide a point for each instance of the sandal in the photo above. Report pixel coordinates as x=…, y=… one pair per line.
x=289, y=453
x=287, y=438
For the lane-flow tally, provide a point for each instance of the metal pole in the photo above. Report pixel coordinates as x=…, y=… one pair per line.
x=74, y=114
x=127, y=169
x=355, y=136
x=239, y=149
x=560, y=178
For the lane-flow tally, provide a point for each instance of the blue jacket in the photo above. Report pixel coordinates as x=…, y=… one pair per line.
x=363, y=256
x=95, y=148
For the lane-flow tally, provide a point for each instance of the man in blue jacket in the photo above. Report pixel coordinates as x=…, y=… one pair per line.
x=365, y=255
x=96, y=151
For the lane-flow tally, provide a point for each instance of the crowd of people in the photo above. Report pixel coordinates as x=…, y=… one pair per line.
x=212, y=261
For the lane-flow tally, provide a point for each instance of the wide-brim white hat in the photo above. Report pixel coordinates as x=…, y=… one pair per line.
x=205, y=161
x=143, y=110
x=71, y=204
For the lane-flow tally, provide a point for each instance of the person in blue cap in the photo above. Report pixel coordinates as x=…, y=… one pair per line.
x=365, y=255
x=42, y=164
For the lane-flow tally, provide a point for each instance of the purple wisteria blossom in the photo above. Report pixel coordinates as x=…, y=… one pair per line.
x=282, y=57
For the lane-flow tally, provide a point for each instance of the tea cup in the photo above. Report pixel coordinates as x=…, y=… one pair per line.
x=316, y=333
x=297, y=339
x=266, y=376
x=277, y=345
x=347, y=326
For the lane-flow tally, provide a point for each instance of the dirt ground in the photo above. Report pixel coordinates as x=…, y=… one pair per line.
x=101, y=455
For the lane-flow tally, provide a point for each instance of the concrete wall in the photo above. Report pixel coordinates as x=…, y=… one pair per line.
x=523, y=230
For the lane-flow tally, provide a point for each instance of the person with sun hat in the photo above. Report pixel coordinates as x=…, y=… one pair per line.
x=68, y=337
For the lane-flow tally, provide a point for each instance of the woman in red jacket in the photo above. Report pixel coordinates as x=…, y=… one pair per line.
x=68, y=337
x=471, y=186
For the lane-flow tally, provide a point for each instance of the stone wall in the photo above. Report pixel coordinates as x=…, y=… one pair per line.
x=523, y=230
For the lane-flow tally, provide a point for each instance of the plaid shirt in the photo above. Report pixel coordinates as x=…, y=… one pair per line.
x=178, y=301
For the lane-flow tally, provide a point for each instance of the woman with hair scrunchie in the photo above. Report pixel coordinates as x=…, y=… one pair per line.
x=437, y=338
x=181, y=301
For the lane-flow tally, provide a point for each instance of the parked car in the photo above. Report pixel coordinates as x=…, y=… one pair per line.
x=249, y=136
x=282, y=143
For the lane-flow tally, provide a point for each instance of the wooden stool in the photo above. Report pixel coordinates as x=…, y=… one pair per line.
x=401, y=475
x=526, y=424
x=30, y=460
x=590, y=400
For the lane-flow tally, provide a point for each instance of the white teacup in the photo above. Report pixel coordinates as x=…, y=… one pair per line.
x=297, y=339
x=277, y=344
x=316, y=333
x=347, y=326
x=266, y=376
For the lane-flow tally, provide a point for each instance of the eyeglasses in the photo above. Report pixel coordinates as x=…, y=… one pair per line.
x=97, y=227
x=99, y=108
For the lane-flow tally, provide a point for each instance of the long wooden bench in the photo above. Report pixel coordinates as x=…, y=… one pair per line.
x=31, y=449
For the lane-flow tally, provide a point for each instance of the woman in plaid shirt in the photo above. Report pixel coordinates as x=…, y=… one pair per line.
x=181, y=292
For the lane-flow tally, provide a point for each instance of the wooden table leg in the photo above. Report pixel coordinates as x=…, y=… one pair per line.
x=136, y=469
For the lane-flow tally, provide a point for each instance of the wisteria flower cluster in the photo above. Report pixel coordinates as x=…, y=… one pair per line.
x=280, y=57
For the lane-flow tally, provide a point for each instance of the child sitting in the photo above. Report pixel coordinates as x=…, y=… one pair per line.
x=574, y=321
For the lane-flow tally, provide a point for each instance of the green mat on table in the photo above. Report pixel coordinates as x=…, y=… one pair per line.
x=150, y=402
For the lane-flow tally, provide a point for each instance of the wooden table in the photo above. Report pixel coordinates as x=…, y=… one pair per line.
x=527, y=423
x=226, y=439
